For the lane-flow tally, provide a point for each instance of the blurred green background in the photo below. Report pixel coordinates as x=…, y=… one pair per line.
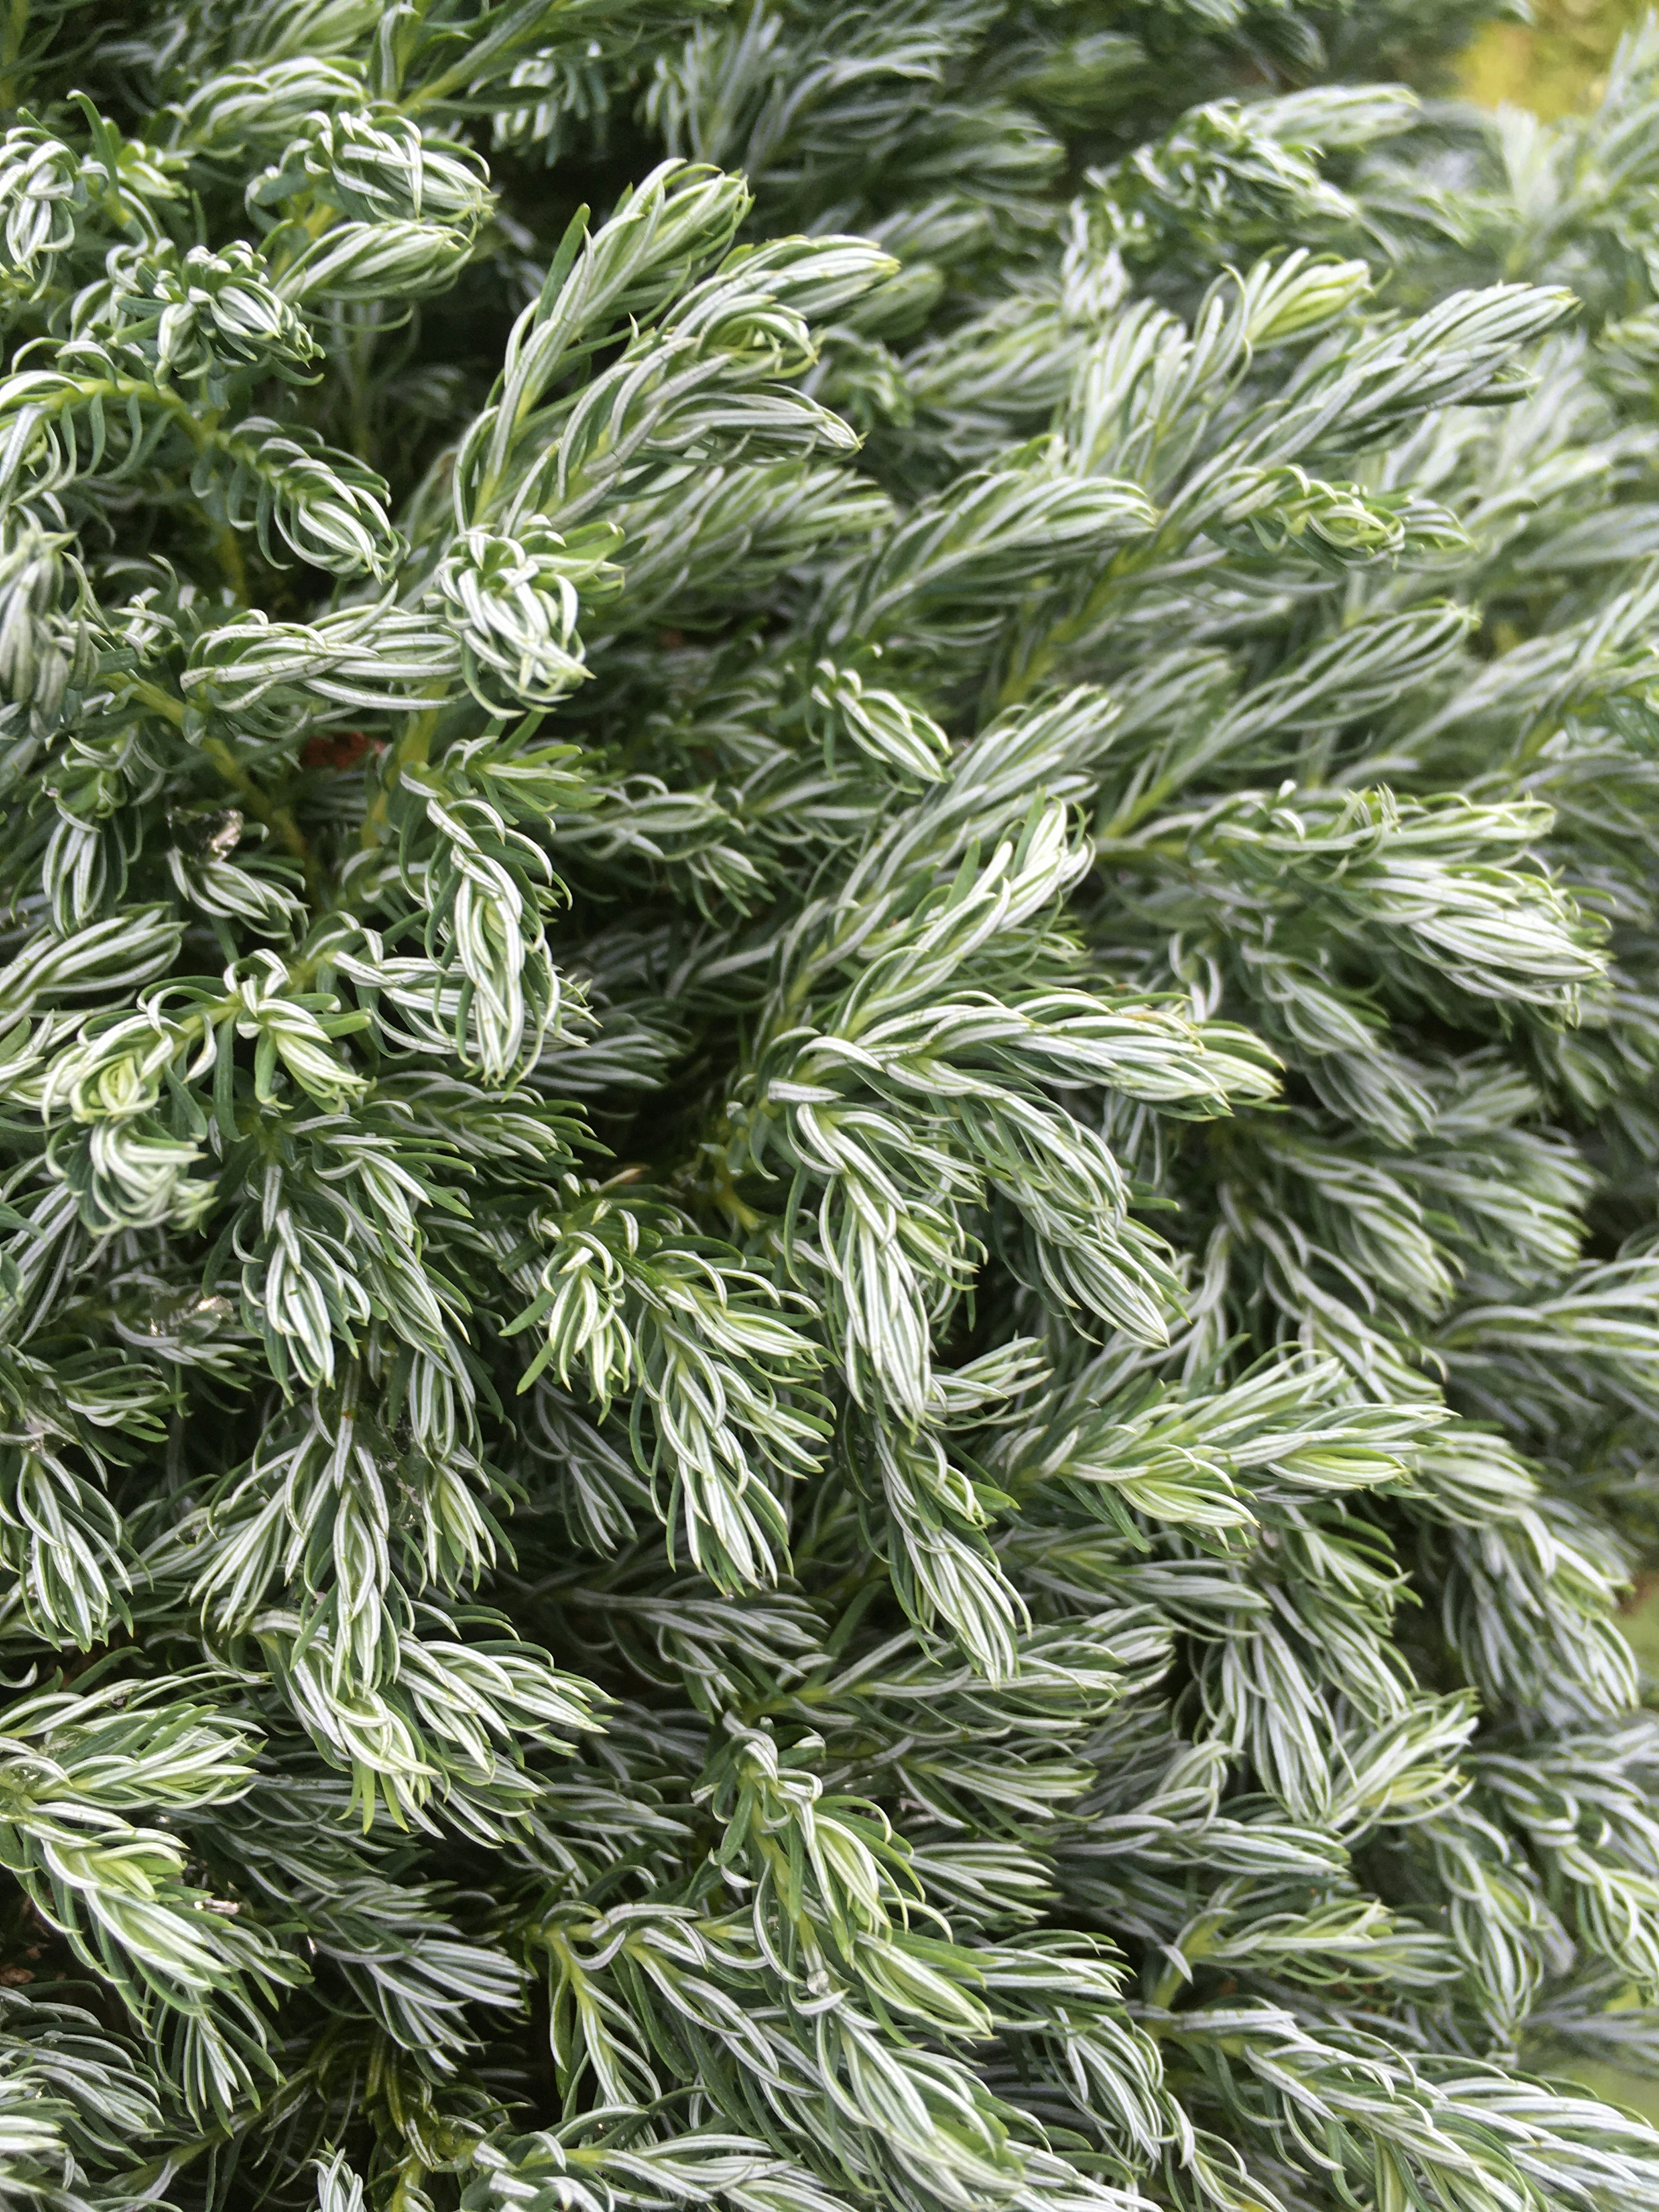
x=1640, y=1622
x=1557, y=65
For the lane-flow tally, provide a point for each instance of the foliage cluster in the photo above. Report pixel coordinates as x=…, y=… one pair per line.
x=830, y=1105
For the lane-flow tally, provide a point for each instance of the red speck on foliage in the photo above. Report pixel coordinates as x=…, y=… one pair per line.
x=341, y=748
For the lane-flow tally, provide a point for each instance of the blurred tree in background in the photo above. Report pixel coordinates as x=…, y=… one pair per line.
x=1555, y=64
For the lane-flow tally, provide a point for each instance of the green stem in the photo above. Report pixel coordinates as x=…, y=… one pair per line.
x=321, y=215
x=228, y=551
x=1031, y=671
x=144, y=2177
x=161, y=702
x=277, y=818
x=13, y=28
x=412, y=750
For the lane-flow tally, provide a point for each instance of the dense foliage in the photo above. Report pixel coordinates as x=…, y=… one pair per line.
x=829, y=1288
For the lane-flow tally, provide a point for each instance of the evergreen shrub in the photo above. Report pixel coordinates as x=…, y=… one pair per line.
x=830, y=1041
